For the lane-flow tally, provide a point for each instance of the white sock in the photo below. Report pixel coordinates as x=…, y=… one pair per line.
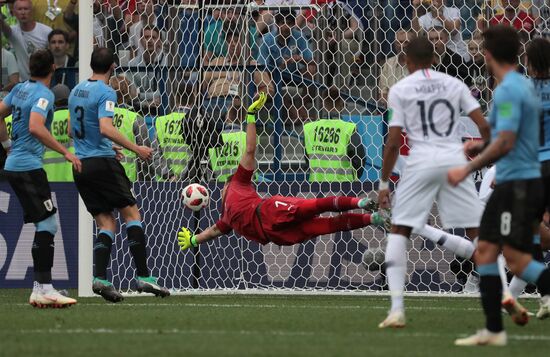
x=396, y=269
x=502, y=272
x=517, y=285
x=460, y=246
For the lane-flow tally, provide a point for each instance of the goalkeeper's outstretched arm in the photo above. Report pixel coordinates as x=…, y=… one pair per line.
x=248, y=161
x=187, y=240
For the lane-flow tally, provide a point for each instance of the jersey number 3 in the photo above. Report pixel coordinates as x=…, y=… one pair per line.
x=80, y=118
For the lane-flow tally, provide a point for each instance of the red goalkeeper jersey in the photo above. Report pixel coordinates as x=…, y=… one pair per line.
x=239, y=209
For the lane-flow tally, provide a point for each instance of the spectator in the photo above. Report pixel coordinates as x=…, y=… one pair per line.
x=443, y=16
x=288, y=49
x=148, y=18
x=344, y=36
x=7, y=13
x=25, y=37
x=478, y=74
x=447, y=61
x=133, y=126
x=395, y=67
x=71, y=18
x=50, y=13
x=224, y=88
x=214, y=36
x=541, y=12
x=348, y=157
x=151, y=58
x=10, y=72
x=58, y=43
x=514, y=16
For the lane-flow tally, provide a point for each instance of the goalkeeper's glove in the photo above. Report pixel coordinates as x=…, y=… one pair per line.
x=186, y=240
x=255, y=107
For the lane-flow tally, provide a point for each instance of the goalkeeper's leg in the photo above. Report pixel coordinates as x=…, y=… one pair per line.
x=310, y=208
x=136, y=241
x=318, y=226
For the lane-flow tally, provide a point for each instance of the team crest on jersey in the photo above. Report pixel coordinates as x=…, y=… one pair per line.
x=49, y=205
x=110, y=106
x=390, y=114
x=43, y=103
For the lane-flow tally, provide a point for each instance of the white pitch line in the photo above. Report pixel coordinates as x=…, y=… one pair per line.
x=266, y=306
x=175, y=331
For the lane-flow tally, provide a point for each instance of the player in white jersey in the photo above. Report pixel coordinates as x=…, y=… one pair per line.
x=426, y=104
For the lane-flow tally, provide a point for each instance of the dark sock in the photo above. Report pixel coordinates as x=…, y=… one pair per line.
x=102, y=254
x=543, y=282
x=42, y=256
x=490, y=287
x=136, y=241
x=537, y=252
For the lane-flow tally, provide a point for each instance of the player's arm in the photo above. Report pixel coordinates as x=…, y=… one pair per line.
x=38, y=129
x=107, y=129
x=187, y=240
x=4, y=138
x=508, y=118
x=396, y=122
x=248, y=161
x=391, y=153
x=471, y=106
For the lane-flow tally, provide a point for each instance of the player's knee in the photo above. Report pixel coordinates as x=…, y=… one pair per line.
x=105, y=221
x=516, y=260
x=486, y=252
x=131, y=213
x=47, y=225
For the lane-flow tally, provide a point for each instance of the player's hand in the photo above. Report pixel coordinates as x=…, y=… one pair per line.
x=457, y=175
x=384, y=199
x=77, y=165
x=185, y=239
x=118, y=153
x=144, y=152
x=258, y=103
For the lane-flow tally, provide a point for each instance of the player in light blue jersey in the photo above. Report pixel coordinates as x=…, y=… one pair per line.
x=103, y=184
x=31, y=106
x=516, y=205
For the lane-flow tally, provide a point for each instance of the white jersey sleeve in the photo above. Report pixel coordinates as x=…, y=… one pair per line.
x=396, y=113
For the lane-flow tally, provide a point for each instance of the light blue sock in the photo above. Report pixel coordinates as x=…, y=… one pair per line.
x=533, y=271
x=488, y=269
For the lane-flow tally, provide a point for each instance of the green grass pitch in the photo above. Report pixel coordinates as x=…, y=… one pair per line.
x=244, y=325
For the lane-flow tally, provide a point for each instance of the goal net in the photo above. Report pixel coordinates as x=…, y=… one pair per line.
x=321, y=59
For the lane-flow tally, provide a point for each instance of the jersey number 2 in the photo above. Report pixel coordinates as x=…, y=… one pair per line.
x=429, y=119
x=80, y=118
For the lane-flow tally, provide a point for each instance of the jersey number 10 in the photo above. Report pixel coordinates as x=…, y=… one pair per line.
x=428, y=120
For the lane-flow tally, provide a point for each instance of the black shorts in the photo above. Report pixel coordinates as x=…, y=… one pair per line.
x=103, y=185
x=513, y=211
x=545, y=170
x=33, y=191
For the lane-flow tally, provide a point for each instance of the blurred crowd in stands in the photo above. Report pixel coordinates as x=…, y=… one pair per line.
x=173, y=57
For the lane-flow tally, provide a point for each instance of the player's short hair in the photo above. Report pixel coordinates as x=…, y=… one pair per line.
x=502, y=42
x=41, y=63
x=58, y=32
x=538, y=56
x=102, y=60
x=420, y=51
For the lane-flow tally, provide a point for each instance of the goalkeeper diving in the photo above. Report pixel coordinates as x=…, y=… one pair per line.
x=277, y=219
